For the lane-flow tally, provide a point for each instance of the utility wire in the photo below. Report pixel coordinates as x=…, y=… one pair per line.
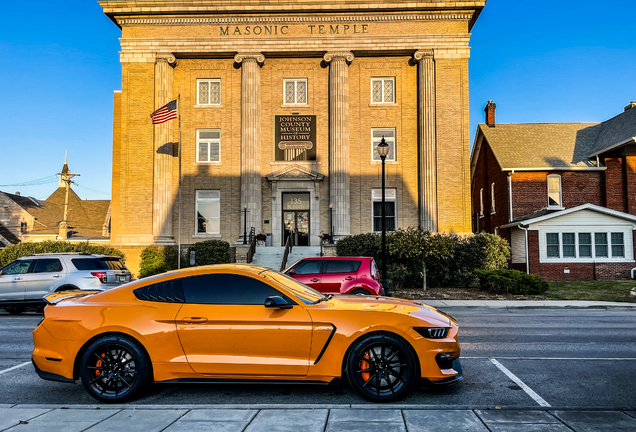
x=38, y=182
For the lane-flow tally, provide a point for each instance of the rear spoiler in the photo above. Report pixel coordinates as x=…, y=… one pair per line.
x=55, y=298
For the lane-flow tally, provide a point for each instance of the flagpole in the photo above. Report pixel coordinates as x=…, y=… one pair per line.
x=179, y=211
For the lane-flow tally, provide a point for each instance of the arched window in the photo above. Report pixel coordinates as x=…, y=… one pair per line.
x=555, y=196
x=493, y=208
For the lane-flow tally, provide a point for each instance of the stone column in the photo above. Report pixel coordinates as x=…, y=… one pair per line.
x=427, y=138
x=162, y=199
x=251, y=137
x=339, y=184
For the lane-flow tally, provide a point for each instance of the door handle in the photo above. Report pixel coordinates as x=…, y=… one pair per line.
x=348, y=278
x=18, y=278
x=57, y=276
x=315, y=280
x=195, y=320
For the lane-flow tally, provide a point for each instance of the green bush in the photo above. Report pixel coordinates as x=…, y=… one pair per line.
x=11, y=253
x=511, y=282
x=450, y=259
x=210, y=252
x=158, y=259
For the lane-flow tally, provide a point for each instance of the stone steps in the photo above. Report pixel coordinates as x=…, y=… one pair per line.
x=273, y=256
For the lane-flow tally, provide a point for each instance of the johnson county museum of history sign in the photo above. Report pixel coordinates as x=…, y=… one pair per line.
x=295, y=137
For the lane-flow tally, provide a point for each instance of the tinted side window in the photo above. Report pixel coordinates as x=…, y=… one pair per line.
x=111, y=264
x=226, y=289
x=18, y=267
x=88, y=264
x=308, y=267
x=355, y=265
x=338, y=266
x=169, y=292
x=49, y=265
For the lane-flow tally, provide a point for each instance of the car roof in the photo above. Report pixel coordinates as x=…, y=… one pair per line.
x=336, y=258
x=74, y=254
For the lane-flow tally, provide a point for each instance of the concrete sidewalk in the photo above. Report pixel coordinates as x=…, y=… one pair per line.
x=366, y=418
x=529, y=304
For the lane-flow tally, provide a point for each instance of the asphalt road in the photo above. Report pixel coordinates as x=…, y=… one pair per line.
x=523, y=358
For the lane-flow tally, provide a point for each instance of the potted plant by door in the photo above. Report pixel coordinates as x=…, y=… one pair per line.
x=260, y=239
x=325, y=238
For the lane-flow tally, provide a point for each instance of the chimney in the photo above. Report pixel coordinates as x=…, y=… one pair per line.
x=490, y=113
x=632, y=104
x=17, y=194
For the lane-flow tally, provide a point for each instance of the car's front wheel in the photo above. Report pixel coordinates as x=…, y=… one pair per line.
x=382, y=367
x=115, y=369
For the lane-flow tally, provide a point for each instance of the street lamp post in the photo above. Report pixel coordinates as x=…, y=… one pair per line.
x=383, y=151
x=244, y=224
x=330, y=223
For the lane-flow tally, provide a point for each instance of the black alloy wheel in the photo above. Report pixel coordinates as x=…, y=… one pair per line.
x=382, y=368
x=115, y=369
x=15, y=310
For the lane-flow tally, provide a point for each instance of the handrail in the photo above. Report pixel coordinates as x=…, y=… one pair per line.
x=252, y=250
x=288, y=247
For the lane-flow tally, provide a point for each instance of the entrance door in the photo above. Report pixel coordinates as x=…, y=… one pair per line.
x=296, y=218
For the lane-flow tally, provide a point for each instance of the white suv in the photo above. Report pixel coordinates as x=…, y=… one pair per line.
x=25, y=281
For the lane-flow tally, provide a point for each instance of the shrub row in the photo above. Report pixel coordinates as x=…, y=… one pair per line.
x=450, y=259
x=160, y=259
x=511, y=282
x=11, y=253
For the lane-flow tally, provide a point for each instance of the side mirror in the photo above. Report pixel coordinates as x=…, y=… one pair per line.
x=277, y=302
x=292, y=272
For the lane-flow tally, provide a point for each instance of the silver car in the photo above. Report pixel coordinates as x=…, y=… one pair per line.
x=26, y=280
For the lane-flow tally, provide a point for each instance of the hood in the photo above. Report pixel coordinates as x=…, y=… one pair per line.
x=389, y=304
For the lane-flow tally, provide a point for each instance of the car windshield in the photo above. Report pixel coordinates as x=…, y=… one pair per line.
x=303, y=292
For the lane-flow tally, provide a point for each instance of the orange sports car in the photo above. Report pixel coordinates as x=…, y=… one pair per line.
x=237, y=323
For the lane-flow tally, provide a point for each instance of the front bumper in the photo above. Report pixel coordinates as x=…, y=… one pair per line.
x=457, y=366
x=50, y=376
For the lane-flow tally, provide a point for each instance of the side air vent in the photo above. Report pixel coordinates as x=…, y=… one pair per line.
x=166, y=292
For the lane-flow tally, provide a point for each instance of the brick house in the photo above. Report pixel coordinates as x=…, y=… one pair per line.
x=563, y=194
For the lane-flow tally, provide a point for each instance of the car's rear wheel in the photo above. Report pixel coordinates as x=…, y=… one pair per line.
x=382, y=367
x=14, y=310
x=359, y=291
x=115, y=369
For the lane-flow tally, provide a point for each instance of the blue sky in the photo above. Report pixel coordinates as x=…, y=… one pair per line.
x=540, y=61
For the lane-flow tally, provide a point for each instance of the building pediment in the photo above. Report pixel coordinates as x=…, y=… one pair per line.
x=295, y=173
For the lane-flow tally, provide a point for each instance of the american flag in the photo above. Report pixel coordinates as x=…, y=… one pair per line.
x=165, y=113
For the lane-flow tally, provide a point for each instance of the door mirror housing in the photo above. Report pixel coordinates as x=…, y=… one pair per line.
x=292, y=272
x=277, y=302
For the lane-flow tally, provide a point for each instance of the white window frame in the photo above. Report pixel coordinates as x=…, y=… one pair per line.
x=208, y=142
x=493, y=208
x=626, y=257
x=382, y=80
x=210, y=80
x=296, y=81
x=196, y=212
x=389, y=141
x=560, y=191
x=390, y=195
x=481, y=202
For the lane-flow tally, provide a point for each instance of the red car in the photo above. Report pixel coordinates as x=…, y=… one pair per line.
x=338, y=275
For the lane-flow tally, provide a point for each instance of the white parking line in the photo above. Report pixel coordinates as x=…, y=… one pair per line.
x=538, y=399
x=15, y=367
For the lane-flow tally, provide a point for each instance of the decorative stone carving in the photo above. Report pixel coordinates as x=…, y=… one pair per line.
x=427, y=140
x=251, y=136
x=339, y=181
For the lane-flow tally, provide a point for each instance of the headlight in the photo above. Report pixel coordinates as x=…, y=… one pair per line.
x=432, y=332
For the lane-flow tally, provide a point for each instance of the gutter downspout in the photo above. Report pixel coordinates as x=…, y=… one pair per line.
x=527, y=256
x=510, y=194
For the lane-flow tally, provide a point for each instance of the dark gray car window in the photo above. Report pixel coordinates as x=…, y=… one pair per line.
x=48, y=265
x=308, y=267
x=228, y=289
x=17, y=267
x=338, y=266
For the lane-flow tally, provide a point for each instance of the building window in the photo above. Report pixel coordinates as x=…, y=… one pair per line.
x=23, y=227
x=208, y=92
x=554, y=247
x=618, y=245
x=493, y=209
x=585, y=245
x=600, y=240
x=390, y=209
x=389, y=138
x=569, y=245
x=209, y=145
x=295, y=91
x=554, y=191
x=208, y=212
x=481, y=202
x=383, y=90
